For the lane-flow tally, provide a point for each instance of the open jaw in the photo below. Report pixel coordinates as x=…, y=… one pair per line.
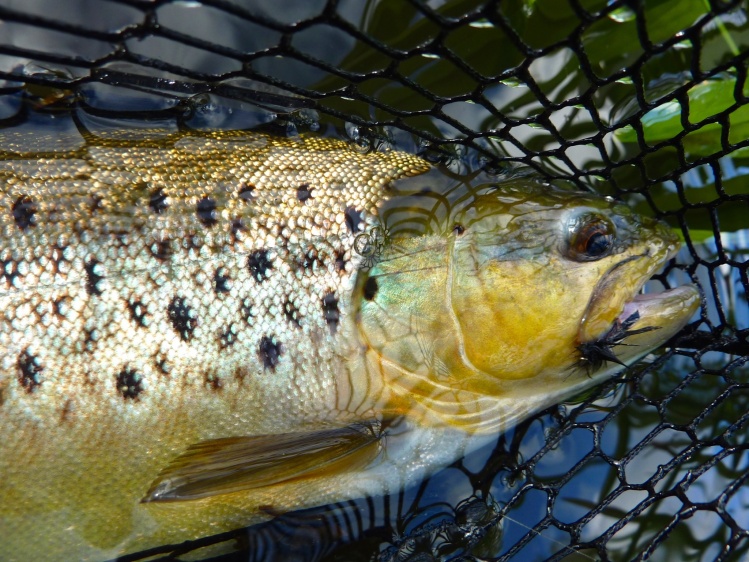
x=644, y=321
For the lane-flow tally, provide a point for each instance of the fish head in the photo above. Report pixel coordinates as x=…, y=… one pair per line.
x=522, y=298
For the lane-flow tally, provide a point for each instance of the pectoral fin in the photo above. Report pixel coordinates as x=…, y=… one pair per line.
x=234, y=464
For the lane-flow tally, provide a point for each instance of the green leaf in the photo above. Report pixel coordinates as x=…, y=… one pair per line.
x=706, y=100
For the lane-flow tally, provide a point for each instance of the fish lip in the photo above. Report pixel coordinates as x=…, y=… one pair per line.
x=637, y=300
x=642, y=300
x=639, y=297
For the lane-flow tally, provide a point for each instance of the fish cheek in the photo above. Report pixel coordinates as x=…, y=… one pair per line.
x=518, y=319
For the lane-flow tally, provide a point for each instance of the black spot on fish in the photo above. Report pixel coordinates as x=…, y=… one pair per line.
x=237, y=226
x=138, y=313
x=97, y=203
x=93, y=277
x=340, y=260
x=228, y=337
x=158, y=201
x=459, y=229
x=370, y=288
x=29, y=371
x=161, y=249
x=206, y=210
x=292, y=313
x=259, y=264
x=213, y=381
x=10, y=272
x=354, y=219
x=309, y=258
x=221, y=281
x=24, y=210
x=129, y=384
x=270, y=352
x=246, y=310
x=246, y=192
x=303, y=192
x=182, y=318
x=330, y=311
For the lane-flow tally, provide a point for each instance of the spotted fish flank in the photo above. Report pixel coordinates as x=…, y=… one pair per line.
x=150, y=293
x=94, y=277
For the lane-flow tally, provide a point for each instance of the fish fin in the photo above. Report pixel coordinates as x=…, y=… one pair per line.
x=236, y=464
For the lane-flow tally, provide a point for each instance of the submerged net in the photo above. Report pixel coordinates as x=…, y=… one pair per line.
x=642, y=100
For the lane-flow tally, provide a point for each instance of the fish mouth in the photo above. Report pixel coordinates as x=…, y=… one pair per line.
x=641, y=321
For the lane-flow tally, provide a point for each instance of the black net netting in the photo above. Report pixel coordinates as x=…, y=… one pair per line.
x=642, y=100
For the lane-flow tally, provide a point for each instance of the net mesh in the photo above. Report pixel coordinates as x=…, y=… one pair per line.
x=645, y=101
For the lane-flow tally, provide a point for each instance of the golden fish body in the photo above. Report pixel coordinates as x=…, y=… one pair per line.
x=189, y=341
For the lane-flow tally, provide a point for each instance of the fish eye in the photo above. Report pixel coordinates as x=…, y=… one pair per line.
x=591, y=237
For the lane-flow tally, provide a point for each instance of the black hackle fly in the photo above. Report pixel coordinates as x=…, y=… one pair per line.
x=596, y=353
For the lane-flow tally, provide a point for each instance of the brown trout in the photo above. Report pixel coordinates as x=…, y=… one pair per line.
x=201, y=332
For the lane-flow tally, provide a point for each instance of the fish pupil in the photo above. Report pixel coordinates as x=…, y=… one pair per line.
x=598, y=244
